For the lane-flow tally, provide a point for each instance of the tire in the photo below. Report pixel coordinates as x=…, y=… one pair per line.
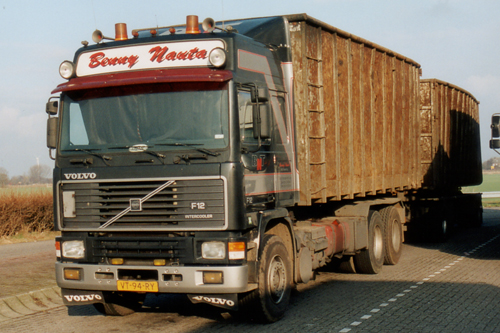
x=343, y=265
x=393, y=235
x=441, y=229
x=371, y=260
x=269, y=301
x=120, y=304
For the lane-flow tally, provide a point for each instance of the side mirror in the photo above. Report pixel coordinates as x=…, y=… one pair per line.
x=262, y=121
x=495, y=143
x=495, y=126
x=495, y=131
x=51, y=108
x=52, y=130
x=261, y=112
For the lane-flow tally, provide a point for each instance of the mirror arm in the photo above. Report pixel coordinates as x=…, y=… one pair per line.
x=50, y=154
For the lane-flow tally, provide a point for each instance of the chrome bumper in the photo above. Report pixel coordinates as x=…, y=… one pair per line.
x=235, y=278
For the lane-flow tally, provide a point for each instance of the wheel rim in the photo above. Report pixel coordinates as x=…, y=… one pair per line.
x=378, y=242
x=277, y=279
x=444, y=227
x=396, y=235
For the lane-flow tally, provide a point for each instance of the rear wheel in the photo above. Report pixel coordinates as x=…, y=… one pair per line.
x=393, y=235
x=347, y=265
x=120, y=304
x=441, y=229
x=371, y=260
x=269, y=301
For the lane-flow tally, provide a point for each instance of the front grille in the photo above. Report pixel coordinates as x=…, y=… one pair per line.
x=186, y=204
x=139, y=250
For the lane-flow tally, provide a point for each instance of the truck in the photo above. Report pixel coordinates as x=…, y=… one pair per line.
x=228, y=161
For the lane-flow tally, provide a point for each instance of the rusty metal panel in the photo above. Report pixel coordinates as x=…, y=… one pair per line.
x=300, y=98
x=343, y=115
x=357, y=115
x=367, y=130
x=449, y=138
x=356, y=107
x=332, y=163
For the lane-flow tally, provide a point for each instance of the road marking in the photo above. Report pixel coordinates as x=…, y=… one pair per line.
x=461, y=258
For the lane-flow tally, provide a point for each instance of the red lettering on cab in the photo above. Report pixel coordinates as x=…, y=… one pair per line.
x=100, y=59
x=160, y=54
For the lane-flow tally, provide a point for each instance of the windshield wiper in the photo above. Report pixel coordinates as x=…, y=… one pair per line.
x=202, y=150
x=143, y=149
x=91, y=152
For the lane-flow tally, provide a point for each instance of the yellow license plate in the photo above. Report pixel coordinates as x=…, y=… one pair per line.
x=149, y=287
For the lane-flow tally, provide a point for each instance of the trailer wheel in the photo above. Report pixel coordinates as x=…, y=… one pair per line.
x=120, y=304
x=443, y=232
x=393, y=235
x=269, y=301
x=371, y=260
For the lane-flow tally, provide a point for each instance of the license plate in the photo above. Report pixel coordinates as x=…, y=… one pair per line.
x=150, y=286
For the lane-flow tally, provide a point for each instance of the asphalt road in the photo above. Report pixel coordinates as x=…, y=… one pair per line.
x=26, y=267
x=450, y=287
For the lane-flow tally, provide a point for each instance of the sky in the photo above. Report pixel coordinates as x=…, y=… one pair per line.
x=457, y=41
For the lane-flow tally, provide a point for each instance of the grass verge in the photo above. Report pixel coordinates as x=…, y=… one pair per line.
x=26, y=237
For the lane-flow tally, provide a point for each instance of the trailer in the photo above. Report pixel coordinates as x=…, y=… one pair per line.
x=229, y=160
x=450, y=159
x=451, y=154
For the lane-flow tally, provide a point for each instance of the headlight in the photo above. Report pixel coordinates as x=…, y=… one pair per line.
x=213, y=250
x=73, y=249
x=217, y=57
x=67, y=69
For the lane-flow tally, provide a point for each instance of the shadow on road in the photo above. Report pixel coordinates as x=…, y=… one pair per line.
x=465, y=239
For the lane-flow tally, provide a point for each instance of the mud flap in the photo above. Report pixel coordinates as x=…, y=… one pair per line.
x=81, y=297
x=225, y=301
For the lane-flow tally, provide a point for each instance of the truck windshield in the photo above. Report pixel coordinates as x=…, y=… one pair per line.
x=171, y=116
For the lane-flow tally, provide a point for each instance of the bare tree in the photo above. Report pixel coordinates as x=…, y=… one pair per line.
x=38, y=173
x=4, y=177
x=492, y=163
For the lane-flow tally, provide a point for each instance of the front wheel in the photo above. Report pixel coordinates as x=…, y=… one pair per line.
x=371, y=260
x=269, y=301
